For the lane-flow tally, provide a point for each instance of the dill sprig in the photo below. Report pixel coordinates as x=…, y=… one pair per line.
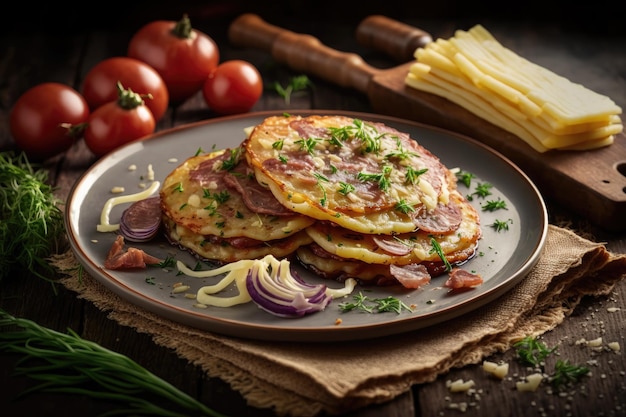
x=66, y=363
x=532, y=351
x=366, y=304
x=565, y=373
x=31, y=221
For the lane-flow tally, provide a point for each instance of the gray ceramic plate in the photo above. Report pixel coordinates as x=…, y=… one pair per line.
x=505, y=257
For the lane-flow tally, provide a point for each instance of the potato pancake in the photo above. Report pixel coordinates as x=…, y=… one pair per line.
x=398, y=249
x=202, y=203
x=364, y=176
x=226, y=250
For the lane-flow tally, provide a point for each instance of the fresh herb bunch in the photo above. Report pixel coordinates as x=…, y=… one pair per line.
x=31, y=221
x=66, y=363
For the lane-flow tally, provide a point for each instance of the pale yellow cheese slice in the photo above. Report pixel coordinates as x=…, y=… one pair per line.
x=546, y=110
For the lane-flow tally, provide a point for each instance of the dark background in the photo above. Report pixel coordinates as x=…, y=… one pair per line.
x=600, y=16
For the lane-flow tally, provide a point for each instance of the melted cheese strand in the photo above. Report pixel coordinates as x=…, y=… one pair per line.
x=237, y=272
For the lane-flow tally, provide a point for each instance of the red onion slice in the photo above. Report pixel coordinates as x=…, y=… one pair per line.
x=276, y=290
x=141, y=221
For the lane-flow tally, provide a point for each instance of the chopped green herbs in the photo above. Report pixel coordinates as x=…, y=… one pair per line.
x=374, y=305
x=565, y=373
x=436, y=248
x=400, y=153
x=404, y=207
x=500, y=225
x=483, y=189
x=278, y=144
x=532, y=352
x=493, y=205
x=412, y=175
x=297, y=83
x=465, y=178
x=381, y=178
x=233, y=159
x=308, y=144
x=358, y=130
x=168, y=262
x=345, y=188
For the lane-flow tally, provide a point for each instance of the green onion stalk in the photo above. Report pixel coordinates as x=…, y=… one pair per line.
x=67, y=364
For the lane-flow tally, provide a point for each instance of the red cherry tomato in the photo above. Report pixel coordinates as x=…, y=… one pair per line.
x=100, y=83
x=117, y=123
x=182, y=55
x=40, y=118
x=234, y=87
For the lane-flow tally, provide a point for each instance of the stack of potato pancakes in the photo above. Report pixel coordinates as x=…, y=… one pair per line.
x=344, y=196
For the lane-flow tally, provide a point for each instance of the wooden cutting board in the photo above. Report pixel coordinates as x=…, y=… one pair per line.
x=590, y=183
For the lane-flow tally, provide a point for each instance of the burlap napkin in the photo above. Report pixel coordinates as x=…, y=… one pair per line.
x=304, y=379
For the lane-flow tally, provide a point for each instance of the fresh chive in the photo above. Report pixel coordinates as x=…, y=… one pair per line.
x=66, y=363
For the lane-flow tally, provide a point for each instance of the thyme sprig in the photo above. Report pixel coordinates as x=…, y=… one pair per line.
x=531, y=351
x=436, y=248
x=367, y=304
x=66, y=363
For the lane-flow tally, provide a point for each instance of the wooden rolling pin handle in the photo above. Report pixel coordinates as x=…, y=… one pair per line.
x=302, y=52
x=395, y=38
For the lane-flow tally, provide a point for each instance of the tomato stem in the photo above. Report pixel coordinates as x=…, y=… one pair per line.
x=182, y=29
x=128, y=99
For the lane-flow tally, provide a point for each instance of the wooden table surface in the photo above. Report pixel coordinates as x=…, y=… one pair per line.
x=61, y=44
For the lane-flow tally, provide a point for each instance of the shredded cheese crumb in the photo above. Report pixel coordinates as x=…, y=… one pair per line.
x=132, y=167
x=150, y=172
x=531, y=384
x=597, y=342
x=180, y=288
x=459, y=385
x=497, y=370
x=117, y=190
x=614, y=346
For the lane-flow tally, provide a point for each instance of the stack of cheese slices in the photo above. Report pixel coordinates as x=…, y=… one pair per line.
x=547, y=111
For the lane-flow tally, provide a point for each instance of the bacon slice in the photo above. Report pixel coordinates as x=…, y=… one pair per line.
x=119, y=258
x=460, y=278
x=442, y=219
x=392, y=246
x=257, y=198
x=410, y=276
